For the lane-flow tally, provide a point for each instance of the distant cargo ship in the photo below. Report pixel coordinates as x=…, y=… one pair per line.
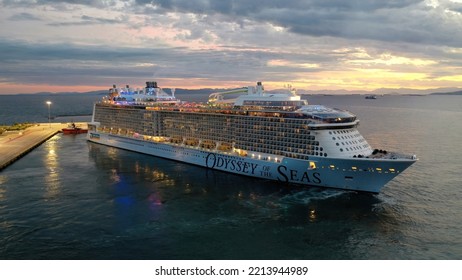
x=268, y=135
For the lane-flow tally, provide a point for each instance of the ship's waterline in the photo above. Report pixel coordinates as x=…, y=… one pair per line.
x=275, y=136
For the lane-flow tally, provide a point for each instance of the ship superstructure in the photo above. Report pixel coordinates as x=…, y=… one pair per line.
x=276, y=136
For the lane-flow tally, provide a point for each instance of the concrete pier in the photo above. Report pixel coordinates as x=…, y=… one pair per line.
x=14, y=145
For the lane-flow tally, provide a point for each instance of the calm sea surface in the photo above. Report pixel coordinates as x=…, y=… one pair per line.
x=70, y=199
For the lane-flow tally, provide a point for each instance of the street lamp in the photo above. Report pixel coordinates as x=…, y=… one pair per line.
x=49, y=116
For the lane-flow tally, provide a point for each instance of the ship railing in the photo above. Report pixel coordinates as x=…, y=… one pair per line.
x=391, y=155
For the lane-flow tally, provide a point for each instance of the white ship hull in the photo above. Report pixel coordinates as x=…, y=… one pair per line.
x=357, y=174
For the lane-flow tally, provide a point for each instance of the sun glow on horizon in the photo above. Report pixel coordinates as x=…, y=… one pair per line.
x=366, y=80
x=6, y=89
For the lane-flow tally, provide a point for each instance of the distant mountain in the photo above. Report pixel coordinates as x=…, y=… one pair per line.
x=48, y=93
x=380, y=91
x=385, y=91
x=191, y=91
x=412, y=91
x=332, y=92
x=459, y=92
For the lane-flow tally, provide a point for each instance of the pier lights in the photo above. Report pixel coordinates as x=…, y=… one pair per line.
x=49, y=115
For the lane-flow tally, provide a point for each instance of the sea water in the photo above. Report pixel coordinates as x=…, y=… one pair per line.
x=71, y=199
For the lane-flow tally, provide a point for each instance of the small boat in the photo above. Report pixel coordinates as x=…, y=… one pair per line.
x=73, y=129
x=371, y=97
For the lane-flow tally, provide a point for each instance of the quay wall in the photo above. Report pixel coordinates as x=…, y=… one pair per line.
x=14, y=145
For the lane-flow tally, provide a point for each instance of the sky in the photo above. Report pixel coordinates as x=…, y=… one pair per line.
x=85, y=45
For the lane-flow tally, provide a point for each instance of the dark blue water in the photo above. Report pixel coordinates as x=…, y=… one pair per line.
x=69, y=199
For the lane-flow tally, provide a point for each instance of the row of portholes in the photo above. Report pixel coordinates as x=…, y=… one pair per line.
x=342, y=132
x=348, y=143
x=346, y=138
x=351, y=148
x=318, y=154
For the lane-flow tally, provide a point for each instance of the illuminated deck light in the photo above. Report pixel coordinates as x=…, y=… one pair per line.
x=313, y=165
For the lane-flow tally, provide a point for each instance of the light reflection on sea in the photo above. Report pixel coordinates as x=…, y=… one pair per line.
x=69, y=199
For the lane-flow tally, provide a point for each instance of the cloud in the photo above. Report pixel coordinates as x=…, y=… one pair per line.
x=24, y=16
x=87, y=63
x=410, y=21
x=29, y=3
x=88, y=20
x=96, y=42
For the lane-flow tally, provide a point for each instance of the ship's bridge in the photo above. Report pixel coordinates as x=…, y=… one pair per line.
x=326, y=114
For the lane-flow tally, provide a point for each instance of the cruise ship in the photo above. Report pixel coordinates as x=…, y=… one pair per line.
x=247, y=131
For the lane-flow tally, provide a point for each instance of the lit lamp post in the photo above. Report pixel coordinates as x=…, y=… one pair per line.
x=49, y=116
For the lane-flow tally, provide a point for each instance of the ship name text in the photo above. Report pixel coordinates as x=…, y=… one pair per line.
x=284, y=173
x=218, y=162
x=292, y=175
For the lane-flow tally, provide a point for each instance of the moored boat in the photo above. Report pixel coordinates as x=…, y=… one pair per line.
x=73, y=129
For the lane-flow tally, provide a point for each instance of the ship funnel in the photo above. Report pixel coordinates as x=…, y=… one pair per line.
x=151, y=85
x=113, y=93
x=260, y=88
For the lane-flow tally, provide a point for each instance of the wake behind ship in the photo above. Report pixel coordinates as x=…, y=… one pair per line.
x=276, y=136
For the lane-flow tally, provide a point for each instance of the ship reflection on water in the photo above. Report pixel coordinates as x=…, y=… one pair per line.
x=109, y=203
x=175, y=195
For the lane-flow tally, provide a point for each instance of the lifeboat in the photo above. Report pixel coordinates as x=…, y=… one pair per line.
x=191, y=142
x=176, y=140
x=225, y=147
x=208, y=144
